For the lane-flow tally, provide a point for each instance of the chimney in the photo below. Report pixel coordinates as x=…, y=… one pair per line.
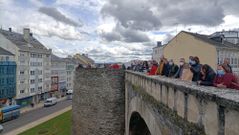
x=26, y=34
x=159, y=43
x=10, y=29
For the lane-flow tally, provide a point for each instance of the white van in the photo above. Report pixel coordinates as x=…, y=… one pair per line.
x=1, y=128
x=69, y=94
x=50, y=101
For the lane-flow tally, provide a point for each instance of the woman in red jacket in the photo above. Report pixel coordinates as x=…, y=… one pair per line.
x=225, y=80
x=153, y=68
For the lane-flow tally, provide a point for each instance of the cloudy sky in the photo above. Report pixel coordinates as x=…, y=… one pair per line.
x=115, y=30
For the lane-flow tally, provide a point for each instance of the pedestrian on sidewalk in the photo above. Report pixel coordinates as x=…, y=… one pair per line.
x=32, y=104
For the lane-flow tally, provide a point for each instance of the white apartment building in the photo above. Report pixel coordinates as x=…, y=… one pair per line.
x=157, y=52
x=71, y=65
x=229, y=36
x=33, y=65
x=58, y=75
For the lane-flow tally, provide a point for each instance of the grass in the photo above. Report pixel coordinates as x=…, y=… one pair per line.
x=60, y=125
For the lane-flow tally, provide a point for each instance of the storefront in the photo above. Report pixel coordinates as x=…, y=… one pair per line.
x=24, y=101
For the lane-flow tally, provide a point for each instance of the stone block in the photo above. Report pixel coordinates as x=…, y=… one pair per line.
x=164, y=95
x=210, y=119
x=231, y=122
x=157, y=92
x=154, y=91
x=193, y=109
x=171, y=98
x=180, y=103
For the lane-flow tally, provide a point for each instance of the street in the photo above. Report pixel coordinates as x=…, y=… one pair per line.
x=34, y=115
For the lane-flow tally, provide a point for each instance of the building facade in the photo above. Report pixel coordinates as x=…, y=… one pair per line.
x=7, y=77
x=157, y=52
x=70, y=71
x=58, y=76
x=230, y=36
x=209, y=50
x=30, y=56
x=83, y=59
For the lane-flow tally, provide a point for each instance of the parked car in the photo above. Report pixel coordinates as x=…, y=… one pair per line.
x=50, y=101
x=1, y=128
x=69, y=94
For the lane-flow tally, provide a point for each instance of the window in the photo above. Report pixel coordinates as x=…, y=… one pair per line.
x=32, y=72
x=22, y=91
x=33, y=55
x=22, y=61
x=32, y=81
x=21, y=72
x=32, y=90
x=39, y=55
x=21, y=54
x=40, y=72
x=40, y=80
x=39, y=88
x=7, y=58
x=22, y=81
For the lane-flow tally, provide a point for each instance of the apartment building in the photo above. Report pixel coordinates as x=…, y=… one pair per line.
x=58, y=75
x=7, y=77
x=158, y=51
x=33, y=65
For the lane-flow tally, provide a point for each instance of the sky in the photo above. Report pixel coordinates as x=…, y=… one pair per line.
x=115, y=30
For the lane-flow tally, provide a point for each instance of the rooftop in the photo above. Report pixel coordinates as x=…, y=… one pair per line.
x=57, y=59
x=206, y=38
x=18, y=39
x=5, y=52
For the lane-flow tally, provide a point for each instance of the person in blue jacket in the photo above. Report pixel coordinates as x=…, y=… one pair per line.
x=195, y=67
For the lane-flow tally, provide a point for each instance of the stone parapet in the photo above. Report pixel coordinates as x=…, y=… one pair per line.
x=214, y=110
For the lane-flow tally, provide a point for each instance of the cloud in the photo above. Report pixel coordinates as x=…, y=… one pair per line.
x=116, y=30
x=58, y=16
x=230, y=7
x=132, y=14
x=167, y=38
x=59, y=30
x=206, y=13
x=120, y=33
x=153, y=14
x=119, y=52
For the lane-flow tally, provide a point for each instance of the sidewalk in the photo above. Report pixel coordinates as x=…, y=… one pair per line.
x=41, y=104
x=37, y=122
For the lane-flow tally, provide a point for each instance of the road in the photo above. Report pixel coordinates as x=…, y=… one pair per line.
x=34, y=115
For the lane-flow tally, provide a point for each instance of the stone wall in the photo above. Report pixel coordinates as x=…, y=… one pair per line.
x=180, y=107
x=98, y=102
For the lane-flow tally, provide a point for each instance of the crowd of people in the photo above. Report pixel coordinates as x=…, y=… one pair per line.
x=194, y=71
